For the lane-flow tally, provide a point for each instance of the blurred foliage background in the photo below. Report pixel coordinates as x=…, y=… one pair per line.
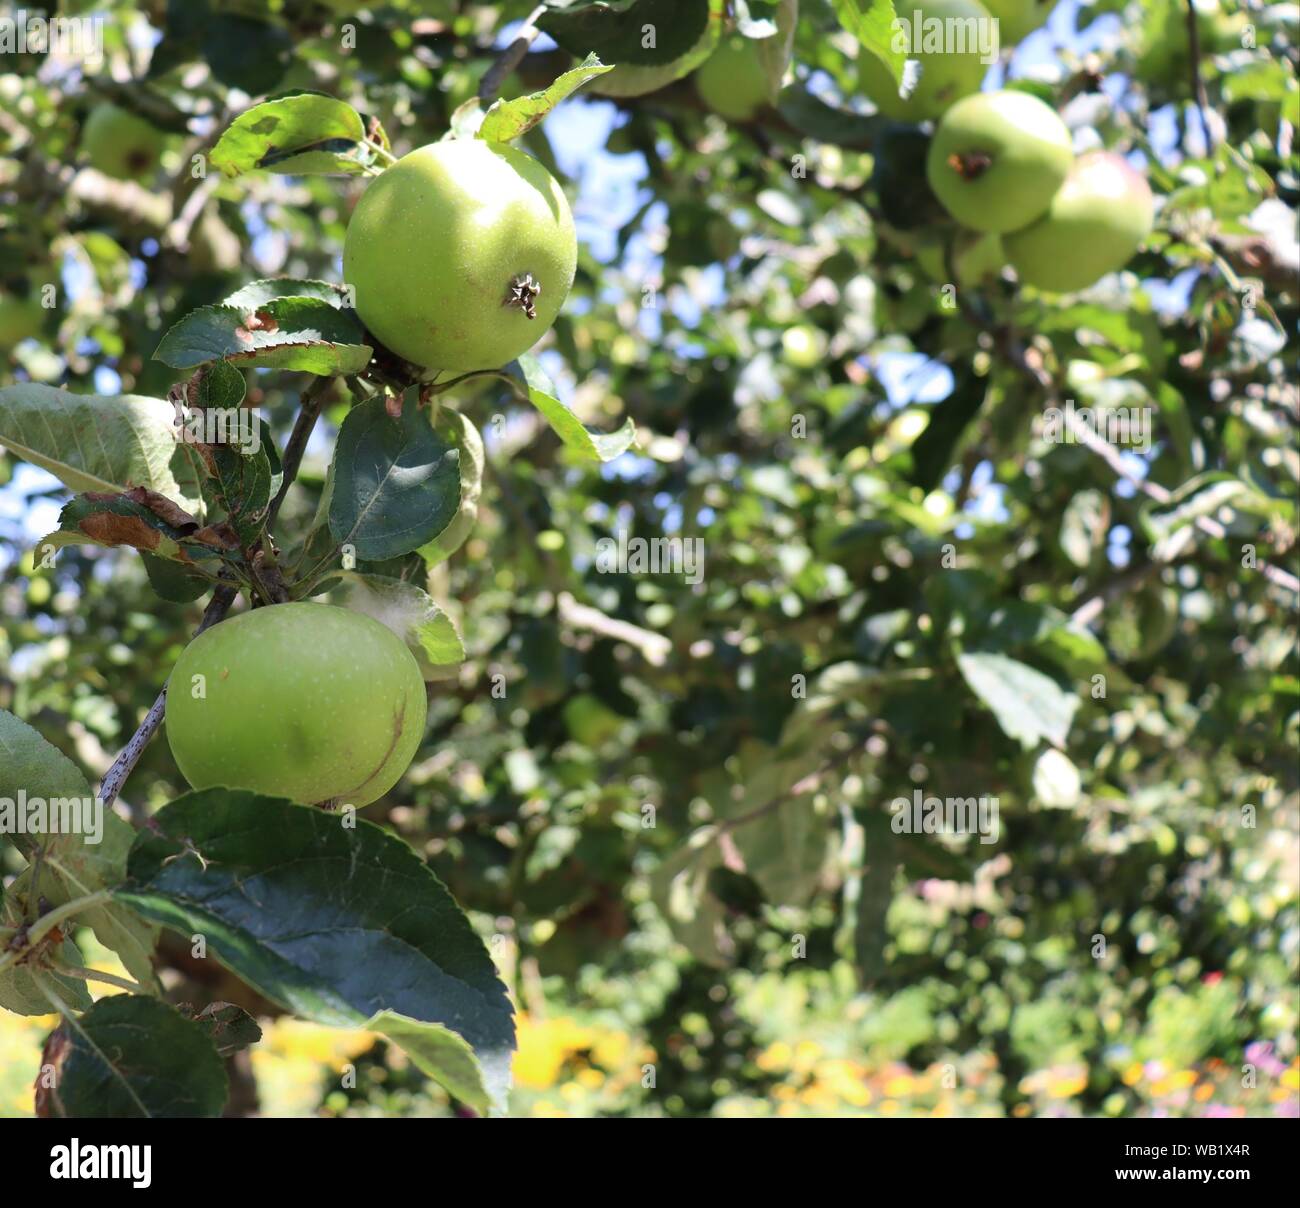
x=877, y=504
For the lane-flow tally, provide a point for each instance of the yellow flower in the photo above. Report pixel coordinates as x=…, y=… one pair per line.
x=545, y=1047
x=775, y=1057
x=890, y=1107
x=1133, y=1074
x=1182, y=1079
x=900, y=1085
x=1291, y=1079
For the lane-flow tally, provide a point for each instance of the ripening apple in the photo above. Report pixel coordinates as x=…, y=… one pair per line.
x=997, y=159
x=461, y=255
x=803, y=346
x=946, y=76
x=1095, y=223
x=732, y=82
x=121, y=144
x=1017, y=19
x=306, y=701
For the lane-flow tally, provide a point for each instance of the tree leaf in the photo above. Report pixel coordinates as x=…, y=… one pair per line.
x=615, y=32
x=871, y=22
x=411, y=614
x=302, y=134
x=396, y=481
x=539, y=390
x=71, y=865
x=342, y=925
x=229, y=1027
x=246, y=53
x=1028, y=705
x=128, y=1058
x=305, y=334
x=508, y=120
x=93, y=442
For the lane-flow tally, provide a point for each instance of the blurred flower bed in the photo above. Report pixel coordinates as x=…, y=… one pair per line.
x=814, y=1052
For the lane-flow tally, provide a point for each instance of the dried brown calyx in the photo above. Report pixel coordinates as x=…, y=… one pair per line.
x=523, y=294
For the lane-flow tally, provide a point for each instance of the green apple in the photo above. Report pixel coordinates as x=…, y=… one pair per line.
x=732, y=82
x=461, y=434
x=1017, y=19
x=997, y=159
x=461, y=255
x=1095, y=223
x=590, y=721
x=804, y=346
x=121, y=144
x=946, y=76
x=306, y=701
x=974, y=258
x=20, y=319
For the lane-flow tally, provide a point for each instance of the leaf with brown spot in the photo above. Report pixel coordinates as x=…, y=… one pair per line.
x=162, y=507
x=219, y=536
x=108, y=528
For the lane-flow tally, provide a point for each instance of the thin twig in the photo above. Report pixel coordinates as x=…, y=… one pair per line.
x=310, y=407
x=1198, y=84
x=511, y=57
x=654, y=647
x=1031, y=363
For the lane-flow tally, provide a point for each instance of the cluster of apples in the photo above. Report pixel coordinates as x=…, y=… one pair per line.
x=1002, y=163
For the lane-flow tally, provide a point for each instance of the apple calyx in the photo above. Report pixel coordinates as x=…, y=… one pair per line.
x=523, y=294
x=970, y=165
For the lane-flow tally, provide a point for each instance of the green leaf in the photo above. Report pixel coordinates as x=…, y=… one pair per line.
x=681, y=890
x=305, y=334
x=343, y=925
x=172, y=581
x=305, y=133
x=411, y=614
x=396, y=481
x=1028, y=705
x=1084, y=526
x=256, y=294
x=130, y=1058
x=615, y=32
x=508, y=120
x=72, y=866
x=539, y=391
x=93, y=442
x=22, y=990
x=871, y=22
x=246, y=53
x=812, y=116
x=230, y=1028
